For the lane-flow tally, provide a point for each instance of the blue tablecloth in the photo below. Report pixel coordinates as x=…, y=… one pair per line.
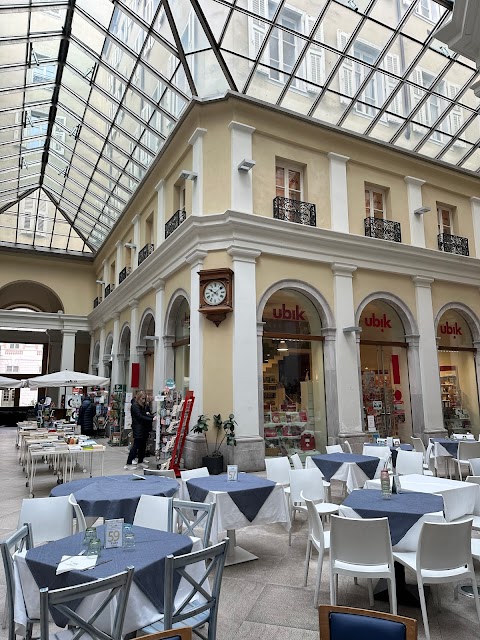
x=449, y=445
x=113, y=497
x=330, y=463
x=249, y=492
x=394, y=450
x=148, y=558
x=402, y=510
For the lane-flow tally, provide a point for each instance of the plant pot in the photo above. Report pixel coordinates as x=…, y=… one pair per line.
x=214, y=464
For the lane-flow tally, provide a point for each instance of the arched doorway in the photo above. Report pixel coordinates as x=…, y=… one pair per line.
x=124, y=355
x=294, y=411
x=96, y=358
x=458, y=376
x=29, y=294
x=147, y=343
x=177, y=341
x=384, y=371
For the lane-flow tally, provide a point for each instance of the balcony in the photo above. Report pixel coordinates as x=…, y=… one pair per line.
x=294, y=211
x=96, y=302
x=144, y=253
x=123, y=274
x=174, y=222
x=383, y=229
x=453, y=244
x=109, y=289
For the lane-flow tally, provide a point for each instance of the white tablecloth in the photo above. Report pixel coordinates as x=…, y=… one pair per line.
x=348, y=472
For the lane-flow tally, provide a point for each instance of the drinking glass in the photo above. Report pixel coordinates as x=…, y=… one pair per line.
x=94, y=547
x=129, y=540
x=90, y=534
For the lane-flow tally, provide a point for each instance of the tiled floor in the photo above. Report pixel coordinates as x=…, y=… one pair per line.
x=261, y=599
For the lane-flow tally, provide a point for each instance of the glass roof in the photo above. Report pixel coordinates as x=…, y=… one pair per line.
x=91, y=89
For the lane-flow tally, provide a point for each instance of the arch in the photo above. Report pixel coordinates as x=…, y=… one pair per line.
x=28, y=293
x=146, y=325
x=406, y=316
x=124, y=339
x=96, y=354
x=108, y=345
x=316, y=298
x=468, y=314
x=173, y=306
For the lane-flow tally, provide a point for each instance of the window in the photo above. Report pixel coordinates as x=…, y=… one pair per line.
x=375, y=202
x=59, y=134
x=428, y=9
x=33, y=215
x=283, y=50
x=445, y=215
x=14, y=345
x=288, y=182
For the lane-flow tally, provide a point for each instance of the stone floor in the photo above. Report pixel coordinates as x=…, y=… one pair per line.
x=261, y=599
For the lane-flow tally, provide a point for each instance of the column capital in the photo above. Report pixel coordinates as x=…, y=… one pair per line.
x=340, y=269
x=243, y=254
x=413, y=340
x=101, y=326
x=136, y=219
x=331, y=155
x=133, y=304
x=116, y=316
x=475, y=200
x=68, y=332
x=168, y=341
x=260, y=326
x=196, y=257
x=329, y=333
x=476, y=344
x=423, y=281
x=158, y=284
x=160, y=185
x=418, y=182
x=240, y=126
x=196, y=135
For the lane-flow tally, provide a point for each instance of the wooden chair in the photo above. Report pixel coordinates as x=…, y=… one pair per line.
x=345, y=623
x=170, y=634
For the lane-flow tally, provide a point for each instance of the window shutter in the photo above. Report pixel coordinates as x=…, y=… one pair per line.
x=417, y=95
x=346, y=69
x=392, y=65
x=42, y=216
x=257, y=29
x=455, y=116
x=28, y=205
x=314, y=58
x=58, y=139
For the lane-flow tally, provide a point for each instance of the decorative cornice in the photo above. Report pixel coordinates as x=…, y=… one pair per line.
x=414, y=181
x=339, y=269
x=422, y=281
x=197, y=134
x=158, y=284
x=239, y=126
x=241, y=254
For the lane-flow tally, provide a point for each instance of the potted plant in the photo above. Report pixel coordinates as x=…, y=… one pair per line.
x=224, y=432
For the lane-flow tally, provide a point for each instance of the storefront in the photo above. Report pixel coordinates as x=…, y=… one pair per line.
x=293, y=375
x=458, y=380
x=384, y=372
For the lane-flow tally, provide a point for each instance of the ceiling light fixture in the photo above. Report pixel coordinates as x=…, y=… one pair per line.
x=282, y=346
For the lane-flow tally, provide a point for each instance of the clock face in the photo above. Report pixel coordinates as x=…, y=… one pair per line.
x=214, y=293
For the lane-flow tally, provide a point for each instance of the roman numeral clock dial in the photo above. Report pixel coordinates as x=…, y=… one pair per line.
x=216, y=299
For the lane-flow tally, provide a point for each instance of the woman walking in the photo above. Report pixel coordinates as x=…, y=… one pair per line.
x=141, y=427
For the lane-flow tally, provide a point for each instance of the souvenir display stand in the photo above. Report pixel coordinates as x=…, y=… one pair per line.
x=116, y=416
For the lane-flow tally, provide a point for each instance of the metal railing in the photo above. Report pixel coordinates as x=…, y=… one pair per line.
x=174, y=222
x=123, y=274
x=109, y=289
x=383, y=229
x=96, y=302
x=144, y=253
x=294, y=211
x=453, y=244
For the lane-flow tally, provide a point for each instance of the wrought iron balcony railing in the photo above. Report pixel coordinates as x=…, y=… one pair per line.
x=383, y=229
x=96, y=302
x=174, y=222
x=144, y=253
x=294, y=211
x=109, y=289
x=123, y=274
x=453, y=244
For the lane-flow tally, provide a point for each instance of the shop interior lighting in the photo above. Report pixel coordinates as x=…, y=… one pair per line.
x=422, y=210
x=246, y=165
x=188, y=175
x=282, y=346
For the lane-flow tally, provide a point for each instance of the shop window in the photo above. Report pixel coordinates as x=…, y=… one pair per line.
x=288, y=181
x=445, y=220
x=375, y=202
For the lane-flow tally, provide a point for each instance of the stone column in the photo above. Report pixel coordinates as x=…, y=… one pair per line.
x=159, y=354
x=136, y=241
x=196, y=141
x=428, y=356
x=118, y=262
x=241, y=181
x=415, y=383
x=115, y=363
x=133, y=338
x=475, y=204
x=168, y=369
x=92, y=349
x=330, y=375
x=68, y=354
x=414, y=194
x=196, y=259
x=101, y=368
x=338, y=192
x=160, y=189
x=105, y=277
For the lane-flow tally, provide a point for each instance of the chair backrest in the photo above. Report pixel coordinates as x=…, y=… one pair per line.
x=315, y=526
x=168, y=473
x=308, y=481
x=79, y=517
x=396, y=442
x=418, y=445
x=185, y=633
x=21, y=539
x=348, y=446
x=381, y=441
x=409, y=462
x=360, y=540
x=154, y=512
x=382, y=452
x=201, y=472
x=50, y=518
x=468, y=450
x=345, y=623
x=463, y=436
x=444, y=545
x=475, y=466
x=201, y=600
x=334, y=448
x=278, y=469
x=193, y=515
x=117, y=586
x=475, y=480
x=295, y=460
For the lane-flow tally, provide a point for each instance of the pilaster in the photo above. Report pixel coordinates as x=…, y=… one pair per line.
x=118, y=261
x=338, y=192
x=196, y=260
x=101, y=353
x=136, y=241
x=133, y=337
x=159, y=353
x=414, y=194
x=475, y=205
x=196, y=141
x=241, y=180
x=115, y=362
x=160, y=189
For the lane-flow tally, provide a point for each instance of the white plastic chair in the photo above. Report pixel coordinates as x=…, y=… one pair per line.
x=418, y=445
x=409, y=462
x=278, y=470
x=348, y=446
x=79, y=517
x=444, y=555
x=201, y=472
x=475, y=466
x=50, y=518
x=154, y=512
x=295, y=460
x=327, y=485
x=334, y=448
x=317, y=538
x=467, y=450
x=381, y=452
x=362, y=548
x=476, y=510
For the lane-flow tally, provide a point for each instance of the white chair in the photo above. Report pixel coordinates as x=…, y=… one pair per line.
x=381, y=452
x=443, y=555
x=309, y=482
x=295, y=460
x=475, y=466
x=463, y=436
x=50, y=518
x=409, y=462
x=362, y=548
x=327, y=485
x=467, y=451
x=79, y=517
x=154, y=512
x=201, y=472
x=348, y=446
x=317, y=538
x=476, y=510
x=334, y=448
x=278, y=470
x=418, y=445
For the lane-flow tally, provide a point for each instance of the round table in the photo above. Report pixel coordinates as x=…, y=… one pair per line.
x=115, y=496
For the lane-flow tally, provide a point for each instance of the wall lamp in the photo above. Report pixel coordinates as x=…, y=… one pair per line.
x=100, y=281
x=246, y=165
x=130, y=245
x=352, y=330
x=421, y=210
x=188, y=175
x=152, y=337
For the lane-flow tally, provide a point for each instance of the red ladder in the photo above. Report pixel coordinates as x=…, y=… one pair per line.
x=182, y=433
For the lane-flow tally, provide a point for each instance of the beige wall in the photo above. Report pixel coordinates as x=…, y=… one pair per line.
x=449, y=292
x=368, y=282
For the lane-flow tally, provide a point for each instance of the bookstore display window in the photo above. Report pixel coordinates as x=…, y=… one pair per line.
x=384, y=367
x=293, y=376
x=458, y=382
x=181, y=348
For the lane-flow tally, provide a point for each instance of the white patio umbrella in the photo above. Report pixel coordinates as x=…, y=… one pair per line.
x=68, y=378
x=9, y=383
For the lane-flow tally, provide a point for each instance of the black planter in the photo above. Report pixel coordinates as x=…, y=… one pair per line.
x=214, y=464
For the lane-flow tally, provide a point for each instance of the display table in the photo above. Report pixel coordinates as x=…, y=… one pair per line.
x=36, y=568
x=393, y=450
x=351, y=468
x=250, y=500
x=115, y=496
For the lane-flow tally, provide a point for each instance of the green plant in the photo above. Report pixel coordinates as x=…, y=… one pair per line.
x=224, y=432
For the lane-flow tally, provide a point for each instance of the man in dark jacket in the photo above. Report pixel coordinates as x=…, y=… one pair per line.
x=141, y=427
x=86, y=414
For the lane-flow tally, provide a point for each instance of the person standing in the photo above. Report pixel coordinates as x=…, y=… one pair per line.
x=86, y=414
x=141, y=427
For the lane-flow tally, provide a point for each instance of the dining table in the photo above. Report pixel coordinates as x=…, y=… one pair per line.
x=351, y=468
x=36, y=568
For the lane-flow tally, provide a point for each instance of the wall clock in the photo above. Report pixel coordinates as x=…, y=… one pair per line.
x=216, y=293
